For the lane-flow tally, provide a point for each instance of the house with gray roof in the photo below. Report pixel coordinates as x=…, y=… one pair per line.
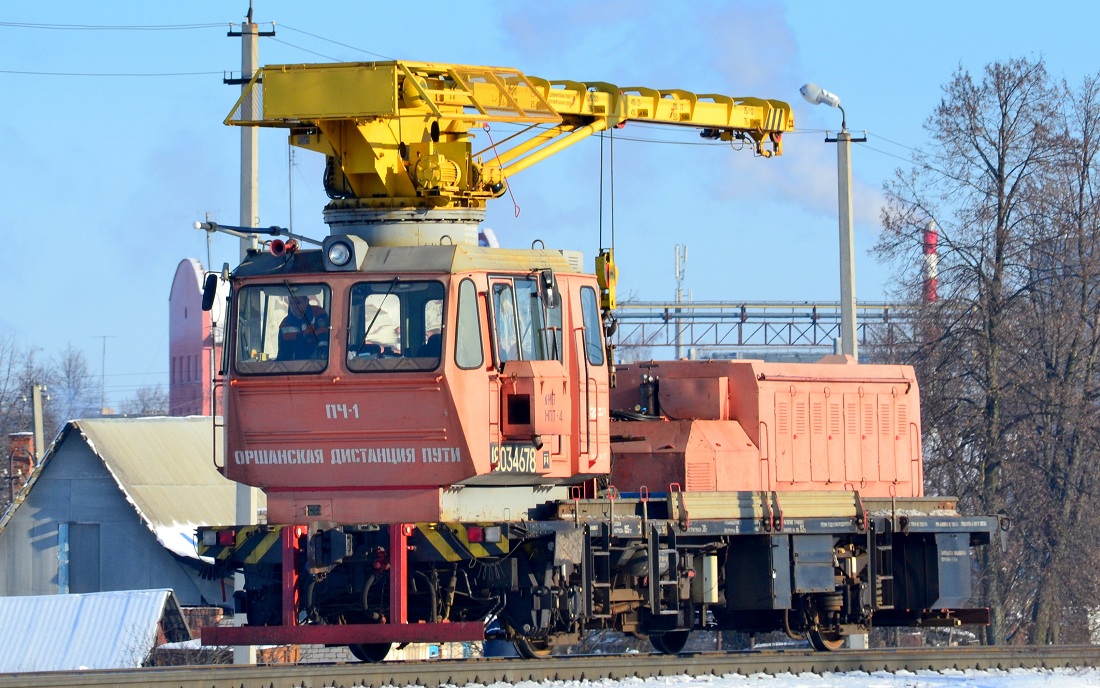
x=104, y=630
x=114, y=505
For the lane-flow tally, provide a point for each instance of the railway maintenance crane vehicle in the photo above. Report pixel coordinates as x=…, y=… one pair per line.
x=444, y=440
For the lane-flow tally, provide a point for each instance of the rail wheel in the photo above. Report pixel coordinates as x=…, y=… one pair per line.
x=825, y=641
x=370, y=652
x=532, y=648
x=671, y=643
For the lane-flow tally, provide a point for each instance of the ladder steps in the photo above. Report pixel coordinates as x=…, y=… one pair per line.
x=600, y=584
x=664, y=598
x=884, y=578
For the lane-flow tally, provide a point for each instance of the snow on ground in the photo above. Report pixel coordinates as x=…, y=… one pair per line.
x=1014, y=678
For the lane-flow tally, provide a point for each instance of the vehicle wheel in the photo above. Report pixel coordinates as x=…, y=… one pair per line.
x=532, y=648
x=671, y=643
x=825, y=641
x=371, y=652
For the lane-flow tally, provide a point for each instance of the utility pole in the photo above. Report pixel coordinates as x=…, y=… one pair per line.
x=36, y=411
x=848, y=328
x=247, y=497
x=849, y=343
x=250, y=136
x=28, y=460
x=290, y=188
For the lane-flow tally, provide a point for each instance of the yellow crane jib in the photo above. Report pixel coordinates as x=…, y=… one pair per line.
x=399, y=134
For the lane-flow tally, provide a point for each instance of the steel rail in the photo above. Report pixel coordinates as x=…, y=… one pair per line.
x=575, y=668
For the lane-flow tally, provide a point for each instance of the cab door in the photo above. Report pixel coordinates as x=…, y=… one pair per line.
x=589, y=369
x=530, y=391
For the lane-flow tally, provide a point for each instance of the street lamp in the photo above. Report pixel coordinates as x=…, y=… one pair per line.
x=818, y=96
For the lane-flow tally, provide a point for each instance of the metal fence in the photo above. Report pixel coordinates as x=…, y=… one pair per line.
x=720, y=329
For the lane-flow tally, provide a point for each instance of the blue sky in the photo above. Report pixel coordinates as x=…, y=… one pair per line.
x=102, y=177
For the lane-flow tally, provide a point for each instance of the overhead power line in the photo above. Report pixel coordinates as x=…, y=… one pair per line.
x=306, y=50
x=122, y=74
x=343, y=45
x=111, y=27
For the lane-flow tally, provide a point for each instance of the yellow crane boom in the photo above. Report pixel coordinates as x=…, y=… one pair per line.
x=398, y=134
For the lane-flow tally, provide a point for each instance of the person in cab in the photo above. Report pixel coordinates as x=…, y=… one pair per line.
x=303, y=333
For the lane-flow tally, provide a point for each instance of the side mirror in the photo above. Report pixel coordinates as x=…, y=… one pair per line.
x=548, y=289
x=209, y=291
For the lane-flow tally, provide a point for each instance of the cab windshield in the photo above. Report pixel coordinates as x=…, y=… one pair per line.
x=282, y=328
x=395, y=325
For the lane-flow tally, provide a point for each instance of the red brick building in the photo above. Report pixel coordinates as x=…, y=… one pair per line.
x=194, y=342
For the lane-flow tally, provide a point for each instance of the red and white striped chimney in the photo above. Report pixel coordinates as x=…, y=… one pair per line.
x=931, y=262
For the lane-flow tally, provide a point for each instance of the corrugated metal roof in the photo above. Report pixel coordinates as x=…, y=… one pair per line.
x=165, y=468
x=103, y=630
x=165, y=464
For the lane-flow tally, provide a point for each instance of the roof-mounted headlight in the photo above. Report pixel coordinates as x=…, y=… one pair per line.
x=339, y=253
x=343, y=253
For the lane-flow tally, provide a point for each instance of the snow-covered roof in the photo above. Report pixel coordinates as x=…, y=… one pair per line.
x=101, y=630
x=164, y=467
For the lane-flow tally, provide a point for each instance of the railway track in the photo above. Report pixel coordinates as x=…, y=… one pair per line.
x=486, y=671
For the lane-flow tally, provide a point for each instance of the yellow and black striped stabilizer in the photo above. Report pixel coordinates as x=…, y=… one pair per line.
x=450, y=542
x=253, y=545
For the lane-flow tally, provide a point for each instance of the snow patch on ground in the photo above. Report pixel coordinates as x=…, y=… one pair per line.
x=994, y=678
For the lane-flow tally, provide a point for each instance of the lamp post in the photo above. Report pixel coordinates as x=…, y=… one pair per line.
x=843, y=140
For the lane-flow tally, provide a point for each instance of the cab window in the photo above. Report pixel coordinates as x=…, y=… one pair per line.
x=468, y=352
x=395, y=325
x=525, y=329
x=282, y=329
x=593, y=333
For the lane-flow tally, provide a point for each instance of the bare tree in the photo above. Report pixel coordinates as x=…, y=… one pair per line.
x=1009, y=358
x=993, y=152
x=75, y=391
x=1059, y=430
x=147, y=401
x=20, y=369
